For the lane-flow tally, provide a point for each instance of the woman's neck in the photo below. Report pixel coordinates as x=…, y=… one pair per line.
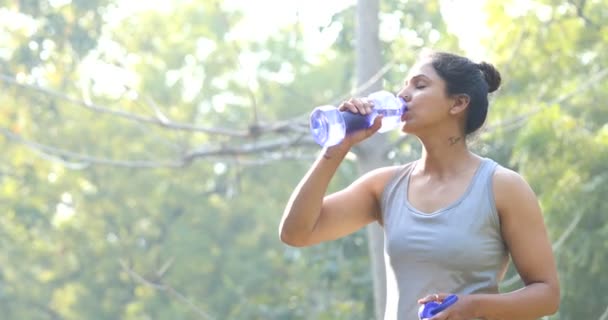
x=446, y=156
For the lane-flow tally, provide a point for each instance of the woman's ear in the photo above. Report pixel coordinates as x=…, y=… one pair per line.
x=460, y=103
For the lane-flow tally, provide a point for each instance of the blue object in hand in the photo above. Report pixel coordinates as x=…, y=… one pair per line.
x=429, y=309
x=329, y=126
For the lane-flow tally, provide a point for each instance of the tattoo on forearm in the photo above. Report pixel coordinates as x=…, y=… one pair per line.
x=454, y=140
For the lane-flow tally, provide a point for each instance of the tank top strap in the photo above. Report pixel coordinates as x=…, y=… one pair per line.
x=393, y=195
x=483, y=187
x=486, y=171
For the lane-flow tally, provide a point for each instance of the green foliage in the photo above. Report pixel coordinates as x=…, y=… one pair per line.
x=552, y=130
x=105, y=216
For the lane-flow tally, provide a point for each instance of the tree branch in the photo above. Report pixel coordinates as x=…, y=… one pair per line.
x=158, y=121
x=371, y=81
x=251, y=148
x=161, y=286
x=79, y=161
x=580, y=12
x=604, y=315
x=518, y=120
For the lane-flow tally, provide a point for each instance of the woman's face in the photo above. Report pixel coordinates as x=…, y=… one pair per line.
x=428, y=103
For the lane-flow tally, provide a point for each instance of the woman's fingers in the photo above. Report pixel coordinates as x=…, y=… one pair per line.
x=364, y=107
x=347, y=106
x=356, y=105
x=375, y=125
x=433, y=297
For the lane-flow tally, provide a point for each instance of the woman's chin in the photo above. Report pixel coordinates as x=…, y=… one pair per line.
x=407, y=128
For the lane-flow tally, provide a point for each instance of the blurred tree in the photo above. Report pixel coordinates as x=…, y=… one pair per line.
x=423, y=19
x=550, y=122
x=109, y=105
x=90, y=234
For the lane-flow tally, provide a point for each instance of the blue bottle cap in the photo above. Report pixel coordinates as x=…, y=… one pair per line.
x=432, y=308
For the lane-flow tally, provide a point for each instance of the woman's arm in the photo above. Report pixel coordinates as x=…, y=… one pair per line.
x=311, y=217
x=524, y=232
x=526, y=237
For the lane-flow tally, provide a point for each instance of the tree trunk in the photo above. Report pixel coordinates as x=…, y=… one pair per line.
x=371, y=153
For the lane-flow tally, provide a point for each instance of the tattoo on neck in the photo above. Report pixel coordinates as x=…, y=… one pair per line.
x=454, y=140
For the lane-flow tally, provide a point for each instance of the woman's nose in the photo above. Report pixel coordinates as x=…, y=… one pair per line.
x=405, y=95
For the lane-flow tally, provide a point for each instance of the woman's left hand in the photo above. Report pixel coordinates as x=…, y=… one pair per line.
x=461, y=310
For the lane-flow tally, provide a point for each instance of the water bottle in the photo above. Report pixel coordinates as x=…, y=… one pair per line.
x=329, y=125
x=429, y=309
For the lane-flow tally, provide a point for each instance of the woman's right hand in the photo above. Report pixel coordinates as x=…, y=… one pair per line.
x=364, y=107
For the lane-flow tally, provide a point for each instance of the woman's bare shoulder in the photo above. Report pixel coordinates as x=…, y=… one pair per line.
x=511, y=188
x=507, y=179
x=378, y=178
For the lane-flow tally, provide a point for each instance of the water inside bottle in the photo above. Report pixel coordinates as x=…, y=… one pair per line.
x=390, y=112
x=327, y=126
x=391, y=119
x=390, y=107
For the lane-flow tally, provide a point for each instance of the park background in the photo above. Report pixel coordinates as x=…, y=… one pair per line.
x=148, y=147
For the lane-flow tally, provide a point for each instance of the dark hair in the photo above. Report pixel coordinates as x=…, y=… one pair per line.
x=462, y=76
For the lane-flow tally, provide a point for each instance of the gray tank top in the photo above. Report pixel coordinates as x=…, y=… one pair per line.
x=458, y=249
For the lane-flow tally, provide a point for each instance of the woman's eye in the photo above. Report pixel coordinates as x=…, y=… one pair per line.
x=420, y=86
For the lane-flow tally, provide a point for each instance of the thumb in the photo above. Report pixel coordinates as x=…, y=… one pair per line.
x=432, y=297
x=375, y=125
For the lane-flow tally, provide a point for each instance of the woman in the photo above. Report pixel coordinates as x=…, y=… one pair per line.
x=451, y=219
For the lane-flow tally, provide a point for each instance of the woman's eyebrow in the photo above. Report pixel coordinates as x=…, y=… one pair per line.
x=419, y=76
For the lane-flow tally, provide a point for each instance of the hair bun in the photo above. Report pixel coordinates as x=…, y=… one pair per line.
x=491, y=75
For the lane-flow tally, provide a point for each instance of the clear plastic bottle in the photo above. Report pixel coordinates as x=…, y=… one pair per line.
x=329, y=126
